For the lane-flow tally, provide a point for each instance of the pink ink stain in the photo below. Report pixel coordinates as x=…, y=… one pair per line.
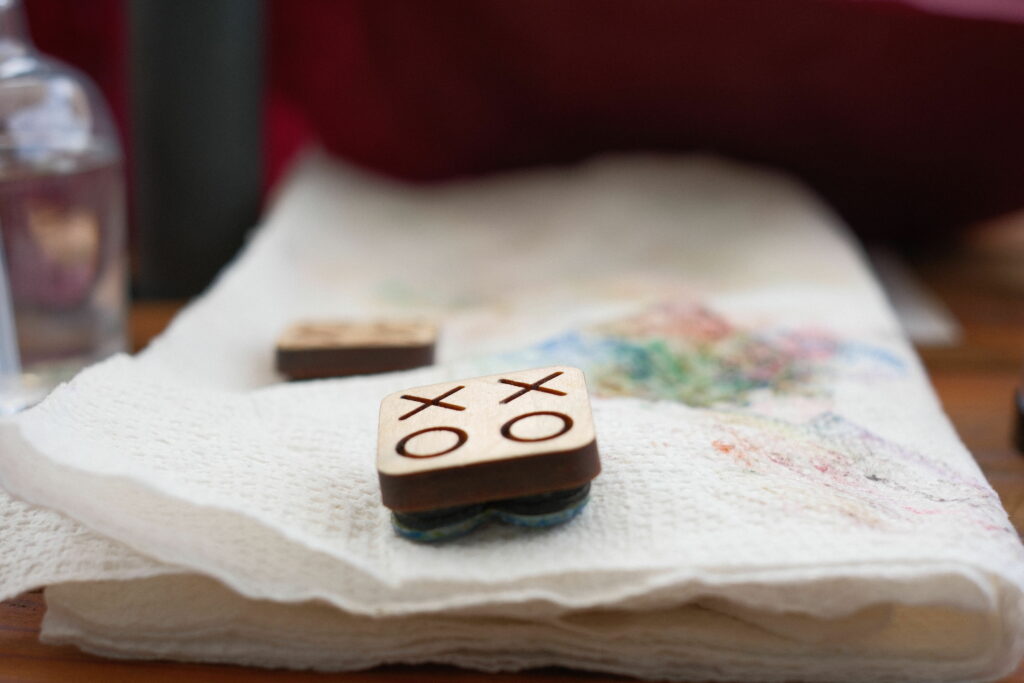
x=918, y=511
x=730, y=449
x=722, y=447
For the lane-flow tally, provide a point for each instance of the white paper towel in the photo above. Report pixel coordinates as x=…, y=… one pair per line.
x=782, y=497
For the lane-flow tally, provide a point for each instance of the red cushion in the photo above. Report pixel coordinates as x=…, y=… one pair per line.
x=905, y=119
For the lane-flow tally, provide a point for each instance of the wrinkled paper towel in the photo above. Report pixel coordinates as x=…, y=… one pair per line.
x=782, y=497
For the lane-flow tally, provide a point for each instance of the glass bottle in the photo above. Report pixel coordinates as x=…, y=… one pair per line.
x=63, y=276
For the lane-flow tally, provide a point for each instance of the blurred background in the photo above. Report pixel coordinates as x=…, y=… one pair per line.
x=908, y=117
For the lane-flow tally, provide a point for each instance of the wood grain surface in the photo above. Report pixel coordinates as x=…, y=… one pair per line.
x=482, y=439
x=314, y=349
x=975, y=381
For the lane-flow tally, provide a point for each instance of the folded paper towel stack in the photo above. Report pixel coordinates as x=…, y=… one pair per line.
x=782, y=498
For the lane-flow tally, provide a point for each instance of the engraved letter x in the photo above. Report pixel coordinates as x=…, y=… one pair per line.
x=436, y=401
x=536, y=386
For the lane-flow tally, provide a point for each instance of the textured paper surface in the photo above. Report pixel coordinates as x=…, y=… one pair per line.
x=781, y=496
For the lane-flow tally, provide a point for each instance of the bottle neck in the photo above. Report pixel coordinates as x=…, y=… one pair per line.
x=14, y=37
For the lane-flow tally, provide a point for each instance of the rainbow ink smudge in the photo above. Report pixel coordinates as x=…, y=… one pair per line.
x=687, y=353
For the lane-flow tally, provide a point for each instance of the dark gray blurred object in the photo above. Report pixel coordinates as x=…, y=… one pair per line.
x=1018, y=431
x=197, y=85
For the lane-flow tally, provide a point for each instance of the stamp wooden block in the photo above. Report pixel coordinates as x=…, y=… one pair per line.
x=486, y=439
x=318, y=349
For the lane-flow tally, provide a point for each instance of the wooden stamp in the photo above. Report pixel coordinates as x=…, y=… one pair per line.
x=319, y=349
x=518, y=446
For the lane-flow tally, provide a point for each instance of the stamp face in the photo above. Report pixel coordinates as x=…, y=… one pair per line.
x=486, y=438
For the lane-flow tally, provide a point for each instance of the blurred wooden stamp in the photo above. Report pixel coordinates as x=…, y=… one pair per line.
x=519, y=446
x=319, y=349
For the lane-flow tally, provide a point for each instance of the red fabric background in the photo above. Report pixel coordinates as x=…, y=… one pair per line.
x=909, y=122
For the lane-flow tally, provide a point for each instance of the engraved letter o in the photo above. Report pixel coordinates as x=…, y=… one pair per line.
x=506, y=429
x=461, y=435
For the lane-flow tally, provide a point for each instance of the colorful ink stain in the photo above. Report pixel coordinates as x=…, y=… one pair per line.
x=685, y=352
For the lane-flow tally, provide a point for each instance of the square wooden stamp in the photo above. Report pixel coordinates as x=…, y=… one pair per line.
x=320, y=349
x=501, y=438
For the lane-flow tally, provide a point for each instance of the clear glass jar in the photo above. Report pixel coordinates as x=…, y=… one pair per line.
x=63, y=275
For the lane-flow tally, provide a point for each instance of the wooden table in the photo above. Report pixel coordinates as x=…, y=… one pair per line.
x=975, y=380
